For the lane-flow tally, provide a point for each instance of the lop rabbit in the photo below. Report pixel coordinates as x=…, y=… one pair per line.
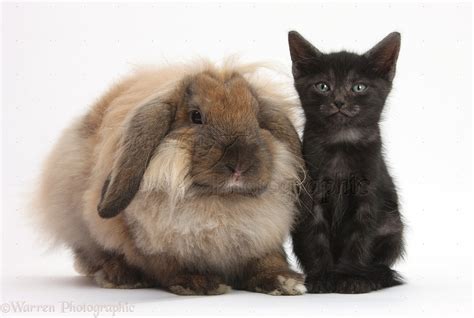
x=180, y=177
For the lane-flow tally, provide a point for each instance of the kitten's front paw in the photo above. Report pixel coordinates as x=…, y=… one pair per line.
x=187, y=285
x=374, y=278
x=283, y=283
x=346, y=284
x=319, y=284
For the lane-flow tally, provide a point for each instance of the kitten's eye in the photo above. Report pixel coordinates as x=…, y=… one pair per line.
x=359, y=88
x=322, y=87
x=196, y=117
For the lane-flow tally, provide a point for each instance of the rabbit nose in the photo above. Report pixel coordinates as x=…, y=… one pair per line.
x=239, y=157
x=238, y=170
x=234, y=168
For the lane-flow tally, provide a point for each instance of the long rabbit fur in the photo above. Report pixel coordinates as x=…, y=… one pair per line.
x=119, y=188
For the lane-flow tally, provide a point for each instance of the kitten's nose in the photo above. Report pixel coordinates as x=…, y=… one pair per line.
x=338, y=103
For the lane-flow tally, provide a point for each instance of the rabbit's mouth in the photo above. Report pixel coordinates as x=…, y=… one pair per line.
x=230, y=189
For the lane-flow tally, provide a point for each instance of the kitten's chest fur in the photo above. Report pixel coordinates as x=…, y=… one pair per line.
x=339, y=161
x=343, y=171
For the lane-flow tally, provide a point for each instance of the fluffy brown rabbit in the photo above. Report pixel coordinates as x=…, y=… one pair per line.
x=182, y=177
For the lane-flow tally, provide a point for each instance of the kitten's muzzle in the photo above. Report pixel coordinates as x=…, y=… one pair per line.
x=342, y=109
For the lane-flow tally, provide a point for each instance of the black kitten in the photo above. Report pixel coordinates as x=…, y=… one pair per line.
x=350, y=231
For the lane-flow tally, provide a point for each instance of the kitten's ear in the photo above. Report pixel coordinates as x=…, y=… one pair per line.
x=384, y=55
x=300, y=48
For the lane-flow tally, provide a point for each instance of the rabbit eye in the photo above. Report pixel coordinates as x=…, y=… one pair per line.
x=196, y=117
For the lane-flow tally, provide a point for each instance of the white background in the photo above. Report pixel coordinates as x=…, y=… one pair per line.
x=58, y=58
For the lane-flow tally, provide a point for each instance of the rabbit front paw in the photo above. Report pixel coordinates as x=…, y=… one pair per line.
x=284, y=283
x=187, y=285
x=115, y=273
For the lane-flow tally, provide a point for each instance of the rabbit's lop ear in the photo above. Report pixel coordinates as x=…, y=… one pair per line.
x=145, y=130
x=273, y=119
